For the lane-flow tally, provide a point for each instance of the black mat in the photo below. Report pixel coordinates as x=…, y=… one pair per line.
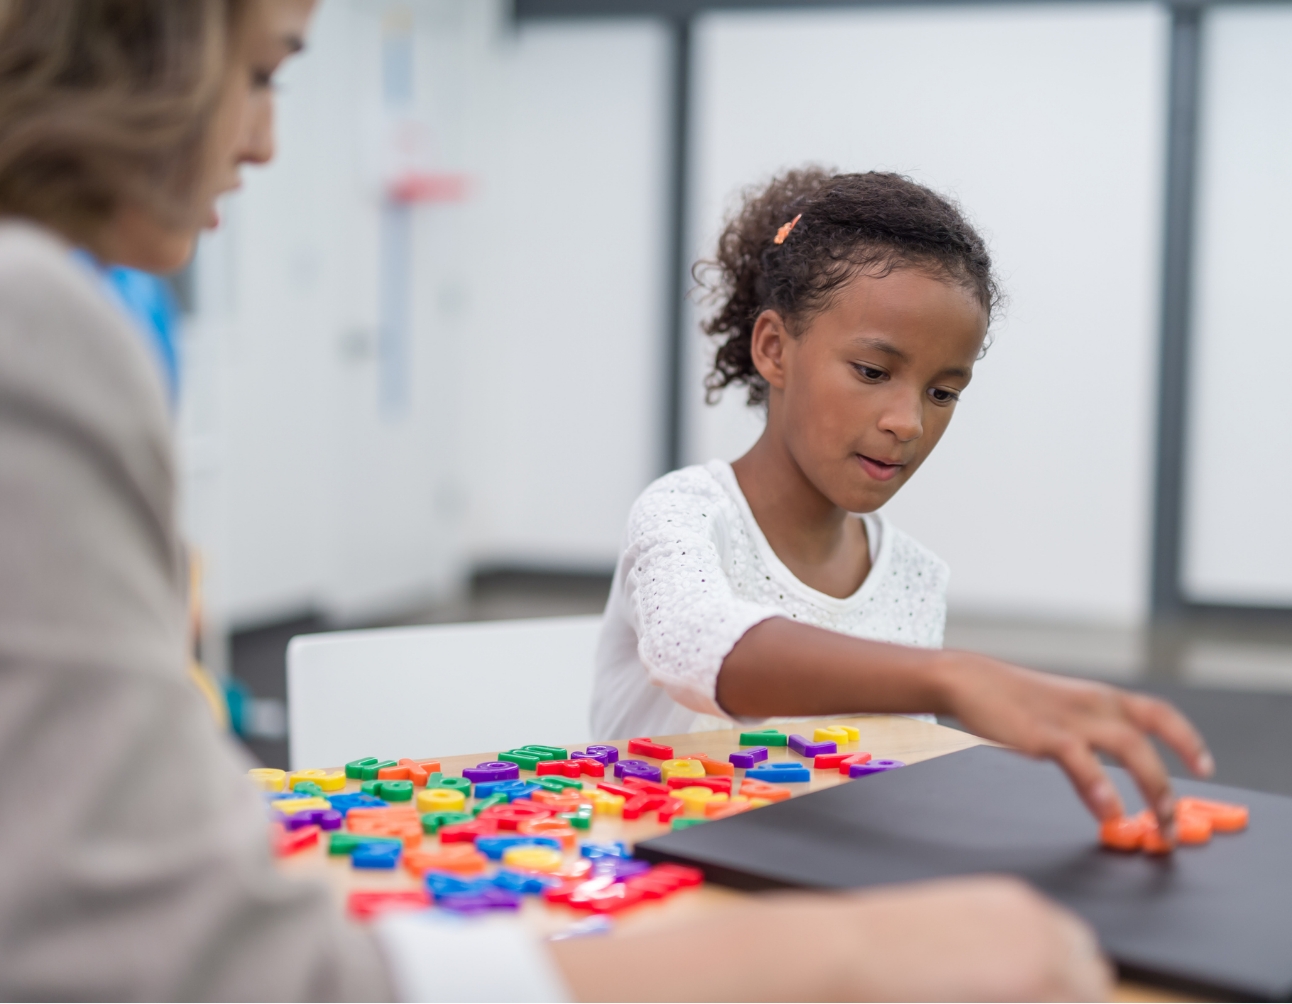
x=1216, y=918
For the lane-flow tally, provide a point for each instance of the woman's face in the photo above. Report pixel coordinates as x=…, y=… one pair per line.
x=241, y=132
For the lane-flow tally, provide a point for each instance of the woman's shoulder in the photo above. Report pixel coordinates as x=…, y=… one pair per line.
x=43, y=284
x=66, y=344
x=30, y=252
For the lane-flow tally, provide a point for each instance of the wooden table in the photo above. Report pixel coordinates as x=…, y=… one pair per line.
x=884, y=736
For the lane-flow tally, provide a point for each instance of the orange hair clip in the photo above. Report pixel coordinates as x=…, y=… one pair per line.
x=785, y=229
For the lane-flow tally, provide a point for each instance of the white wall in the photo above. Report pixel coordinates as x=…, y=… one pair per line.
x=539, y=304
x=302, y=490
x=561, y=415
x=537, y=307
x=1046, y=122
x=1238, y=533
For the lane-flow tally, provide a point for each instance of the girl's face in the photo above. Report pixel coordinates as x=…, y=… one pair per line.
x=864, y=393
x=241, y=132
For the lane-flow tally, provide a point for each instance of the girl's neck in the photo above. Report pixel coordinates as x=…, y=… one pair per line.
x=815, y=538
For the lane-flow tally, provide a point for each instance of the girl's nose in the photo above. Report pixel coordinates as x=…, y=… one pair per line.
x=903, y=419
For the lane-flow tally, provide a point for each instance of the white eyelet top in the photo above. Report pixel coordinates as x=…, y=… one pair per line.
x=697, y=572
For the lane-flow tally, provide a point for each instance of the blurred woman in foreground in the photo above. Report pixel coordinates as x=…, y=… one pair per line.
x=134, y=856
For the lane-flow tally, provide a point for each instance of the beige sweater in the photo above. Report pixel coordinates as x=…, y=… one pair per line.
x=133, y=853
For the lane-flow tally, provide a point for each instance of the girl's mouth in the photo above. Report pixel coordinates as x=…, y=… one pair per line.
x=877, y=469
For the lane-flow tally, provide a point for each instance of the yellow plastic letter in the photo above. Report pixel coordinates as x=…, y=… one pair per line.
x=267, y=778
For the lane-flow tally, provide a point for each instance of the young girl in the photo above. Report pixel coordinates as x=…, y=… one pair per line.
x=853, y=308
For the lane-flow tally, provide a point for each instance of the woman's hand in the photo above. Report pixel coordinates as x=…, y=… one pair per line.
x=960, y=939
x=1068, y=721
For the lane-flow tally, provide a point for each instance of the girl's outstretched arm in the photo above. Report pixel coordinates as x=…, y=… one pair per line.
x=780, y=667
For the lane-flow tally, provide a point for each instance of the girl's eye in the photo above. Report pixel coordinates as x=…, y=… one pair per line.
x=868, y=372
x=943, y=396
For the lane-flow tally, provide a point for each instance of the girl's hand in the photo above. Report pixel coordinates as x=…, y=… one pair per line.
x=781, y=667
x=1068, y=720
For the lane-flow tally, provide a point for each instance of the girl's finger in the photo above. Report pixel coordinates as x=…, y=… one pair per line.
x=1164, y=720
x=1087, y=775
x=1131, y=746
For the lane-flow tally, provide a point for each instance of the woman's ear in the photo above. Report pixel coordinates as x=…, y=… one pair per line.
x=767, y=347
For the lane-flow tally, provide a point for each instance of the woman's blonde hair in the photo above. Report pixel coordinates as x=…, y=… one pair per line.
x=105, y=102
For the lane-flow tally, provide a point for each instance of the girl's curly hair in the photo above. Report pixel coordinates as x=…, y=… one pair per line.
x=851, y=223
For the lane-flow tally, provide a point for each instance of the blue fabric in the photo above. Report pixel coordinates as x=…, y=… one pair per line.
x=149, y=303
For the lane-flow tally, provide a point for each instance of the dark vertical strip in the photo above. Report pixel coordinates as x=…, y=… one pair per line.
x=1173, y=364
x=677, y=281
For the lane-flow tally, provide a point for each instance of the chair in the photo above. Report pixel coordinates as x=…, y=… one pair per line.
x=439, y=690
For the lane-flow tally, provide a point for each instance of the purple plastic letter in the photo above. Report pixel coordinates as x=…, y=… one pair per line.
x=749, y=757
x=494, y=770
x=800, y=745
x=873, y=767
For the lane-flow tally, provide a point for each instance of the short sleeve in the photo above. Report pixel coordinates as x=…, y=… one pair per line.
x=685, y=612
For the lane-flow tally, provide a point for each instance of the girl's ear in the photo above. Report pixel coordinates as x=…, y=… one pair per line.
x=767, y=346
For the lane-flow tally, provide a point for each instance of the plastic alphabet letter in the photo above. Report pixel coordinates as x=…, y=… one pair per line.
x=440, y=800
x=494, y=770
x=369, y=771
x=606, y=804
x=638, y=768
x=606, y=754
x=716, y=767
x=376, y=855
x=286, y=841
x=754, y=788
x=565, y=768
x=466, y=833
x=532, y=858
x=749, y=758
x=508, y=817
x=802, y=747
x=718, y=784
x=354, y=769
x=432, y=821
x=420, y=770
x=873, y=767
x=462, y=859
x=267, y=778
x=682, y=768
x=764, y=737
x=364, y=904
x=782, y=771
x=641, y=786
x=647, y=747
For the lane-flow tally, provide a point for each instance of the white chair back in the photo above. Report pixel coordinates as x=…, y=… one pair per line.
x=439, y=690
